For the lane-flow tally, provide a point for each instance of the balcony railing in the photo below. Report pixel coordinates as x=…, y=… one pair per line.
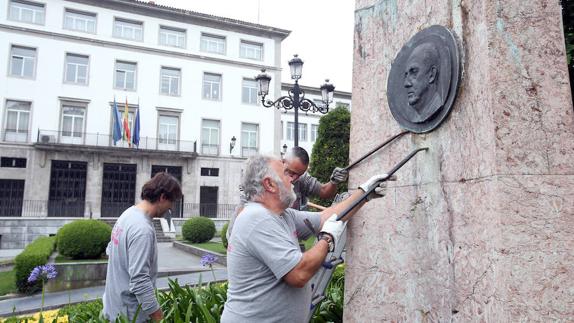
x=208, y=149
x=42, y=208
x=210, y=210
x=49, y=137
x=80, y=209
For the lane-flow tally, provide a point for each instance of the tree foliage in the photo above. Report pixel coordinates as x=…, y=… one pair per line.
x=332, y=147
x=568, y=21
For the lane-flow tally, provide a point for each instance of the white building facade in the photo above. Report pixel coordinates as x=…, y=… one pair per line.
x=189, y=76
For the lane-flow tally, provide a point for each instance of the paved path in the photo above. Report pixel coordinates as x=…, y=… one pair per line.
x=172, y=263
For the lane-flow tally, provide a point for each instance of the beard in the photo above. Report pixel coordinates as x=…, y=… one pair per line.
x=287, y=196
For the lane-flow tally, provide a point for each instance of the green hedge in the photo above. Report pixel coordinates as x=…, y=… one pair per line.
x=35, y=254
x=224, y=234
x=198, y=229
x=84, y=239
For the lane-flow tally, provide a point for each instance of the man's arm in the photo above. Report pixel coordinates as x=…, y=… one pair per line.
x=140, y=250
x=308, y=266
x=312, y=259
x=327, y=191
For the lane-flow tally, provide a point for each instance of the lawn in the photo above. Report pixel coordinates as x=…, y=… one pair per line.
x=63, y=259
x=7, y=282
x=211, y=246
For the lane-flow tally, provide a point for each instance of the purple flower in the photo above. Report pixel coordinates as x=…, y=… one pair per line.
x=43, y=273
x=208, y=259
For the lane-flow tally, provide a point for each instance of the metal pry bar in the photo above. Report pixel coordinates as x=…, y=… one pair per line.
x=376, y=149
x=389, y=174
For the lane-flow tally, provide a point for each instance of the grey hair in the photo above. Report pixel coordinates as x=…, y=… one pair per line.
x=256, y=169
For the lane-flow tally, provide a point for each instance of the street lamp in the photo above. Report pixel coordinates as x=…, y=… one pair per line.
x=296, y=98
x=232, y=144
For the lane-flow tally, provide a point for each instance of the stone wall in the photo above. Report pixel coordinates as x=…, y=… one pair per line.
x=480, y=227
x=16, y=233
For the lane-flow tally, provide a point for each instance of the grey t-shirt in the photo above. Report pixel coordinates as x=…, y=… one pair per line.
x=305, y=186
x=263, y=248
x=132, y=267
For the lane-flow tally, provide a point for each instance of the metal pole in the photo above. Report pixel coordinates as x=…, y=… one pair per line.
x=375, y=149
x=389, y=174
x=296, y=103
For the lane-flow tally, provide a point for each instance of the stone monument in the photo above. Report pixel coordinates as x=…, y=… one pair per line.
x=480, y=228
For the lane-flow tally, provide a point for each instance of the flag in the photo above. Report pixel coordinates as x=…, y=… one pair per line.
x=127, y=136
x=117, y=127
x=136, y=134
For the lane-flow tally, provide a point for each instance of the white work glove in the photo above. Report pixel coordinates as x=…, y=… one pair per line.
x=376, y=180
x=339, y=175
x=334, y=228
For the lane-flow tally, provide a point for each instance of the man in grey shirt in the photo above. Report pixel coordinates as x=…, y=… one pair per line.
x=267, y=271
x=296, y=163
x=132, y=252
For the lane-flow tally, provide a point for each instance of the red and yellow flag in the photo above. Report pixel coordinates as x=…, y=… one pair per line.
x=127, y=134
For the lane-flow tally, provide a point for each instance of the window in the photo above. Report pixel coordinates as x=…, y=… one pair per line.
x=209, y=171
x=249, y=92
x=13, y=162
x=167, y=131
x=17, y=124
x=27, y=11
x=302, y=132
x=249, y=134
x=210, y=137
x=125, y=75
x=127, y=29
x=212, y=44
x=211, y=86
x=80, y=21
x=172, y=37
x=251, y=50
x=319, y=103
x=22, y=61
x=76, y=69
x=344, y=105
x=170, y=79
x=314, y=130
x=131, y=117
x=290, y=131
x=73, y=117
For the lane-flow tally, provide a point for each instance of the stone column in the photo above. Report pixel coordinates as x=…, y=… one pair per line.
x=480, y=227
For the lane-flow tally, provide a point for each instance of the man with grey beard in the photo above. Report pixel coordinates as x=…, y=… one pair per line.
x=267, y=271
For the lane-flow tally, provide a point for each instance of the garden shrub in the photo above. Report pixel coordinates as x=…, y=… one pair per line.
x=84, y=239
x=198, y=229
x=224, y=234
x=35, y=254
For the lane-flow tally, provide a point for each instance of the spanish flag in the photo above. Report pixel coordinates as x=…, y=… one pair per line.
x=127, y=134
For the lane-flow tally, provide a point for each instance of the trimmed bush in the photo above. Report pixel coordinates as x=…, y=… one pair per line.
x=224, y=234
x=84, y=239
x=35, y=254
x=198, y=229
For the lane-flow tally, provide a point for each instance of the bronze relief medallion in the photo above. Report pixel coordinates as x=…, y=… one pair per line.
x=424, y=78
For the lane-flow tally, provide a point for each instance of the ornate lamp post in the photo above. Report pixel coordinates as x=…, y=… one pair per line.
x=296, y=98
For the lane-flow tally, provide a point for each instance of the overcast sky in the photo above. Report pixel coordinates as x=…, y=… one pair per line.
x=321, y=32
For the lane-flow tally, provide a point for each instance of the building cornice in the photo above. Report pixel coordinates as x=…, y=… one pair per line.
x=187, y=16
x=143, y=49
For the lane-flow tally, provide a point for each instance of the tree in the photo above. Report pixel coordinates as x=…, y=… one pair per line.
x=568, y=21
x=332, y=147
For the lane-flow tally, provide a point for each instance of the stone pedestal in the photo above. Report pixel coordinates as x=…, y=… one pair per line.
x=481, y=227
